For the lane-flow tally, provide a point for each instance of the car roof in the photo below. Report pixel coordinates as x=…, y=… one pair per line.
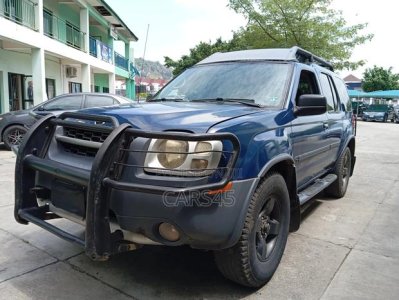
x=294, y=54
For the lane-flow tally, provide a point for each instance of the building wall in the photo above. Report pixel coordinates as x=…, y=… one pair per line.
x=54, y=67
x=100, y=34
x=66, y=80
x=21, y=63
x=101, y=80
x=63, y=11
x=53, y=71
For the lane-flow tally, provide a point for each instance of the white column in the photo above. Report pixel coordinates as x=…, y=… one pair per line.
x=84, y=27
x=111, y=83
x=38, y=76
x=39, y=16
x=4, y=94
x=86, y=78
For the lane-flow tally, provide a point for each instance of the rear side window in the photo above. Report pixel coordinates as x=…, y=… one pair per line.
x=328, y=92
x=93, y=101
x=346, y=104
x=65, y=103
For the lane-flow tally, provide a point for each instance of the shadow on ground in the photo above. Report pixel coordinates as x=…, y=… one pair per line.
x=167, y=272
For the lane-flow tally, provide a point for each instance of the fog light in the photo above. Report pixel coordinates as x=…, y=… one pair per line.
x=169, y=232
x=199, y=164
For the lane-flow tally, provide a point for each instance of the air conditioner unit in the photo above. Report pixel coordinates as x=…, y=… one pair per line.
x=71, y=72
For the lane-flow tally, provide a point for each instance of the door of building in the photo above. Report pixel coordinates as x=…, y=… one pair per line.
x=20, y=90
x=15, y=91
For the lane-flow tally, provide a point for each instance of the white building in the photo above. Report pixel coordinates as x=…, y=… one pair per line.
x=51, y=47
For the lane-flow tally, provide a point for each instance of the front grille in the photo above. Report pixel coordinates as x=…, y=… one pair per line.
x=82, y=134
x=79, y=150
x=86, y=135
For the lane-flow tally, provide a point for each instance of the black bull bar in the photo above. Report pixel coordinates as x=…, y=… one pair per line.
x=99, y=242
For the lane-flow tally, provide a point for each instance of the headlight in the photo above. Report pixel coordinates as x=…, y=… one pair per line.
x=172, y=153
x=182, y=158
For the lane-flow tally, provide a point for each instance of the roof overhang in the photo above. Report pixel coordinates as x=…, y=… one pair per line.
x=112, y=17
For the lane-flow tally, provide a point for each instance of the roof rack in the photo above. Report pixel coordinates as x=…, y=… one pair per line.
x=306, y=57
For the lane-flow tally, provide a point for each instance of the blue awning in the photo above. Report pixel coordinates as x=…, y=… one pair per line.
x=384, y=94
x=390, y=94
x=357, y=94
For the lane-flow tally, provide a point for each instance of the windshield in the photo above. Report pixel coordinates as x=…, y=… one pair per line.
x=263, y=83
x=378, y=107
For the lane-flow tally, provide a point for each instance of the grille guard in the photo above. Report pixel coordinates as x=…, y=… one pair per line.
x=99, y=242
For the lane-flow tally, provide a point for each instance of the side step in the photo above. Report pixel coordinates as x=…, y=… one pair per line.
x=315, y=188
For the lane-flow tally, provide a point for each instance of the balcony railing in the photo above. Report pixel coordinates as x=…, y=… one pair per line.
x=63, y=31
x=121, y=61
x=100, y=50
x=19, y=11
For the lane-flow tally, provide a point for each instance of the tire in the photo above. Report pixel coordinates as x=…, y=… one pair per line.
x=13, y=135
x=256, y=256
x=343, y=170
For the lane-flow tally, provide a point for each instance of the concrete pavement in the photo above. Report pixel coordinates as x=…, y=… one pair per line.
x=345, y=249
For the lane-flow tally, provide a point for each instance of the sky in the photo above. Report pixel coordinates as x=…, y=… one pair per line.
x=175, y=26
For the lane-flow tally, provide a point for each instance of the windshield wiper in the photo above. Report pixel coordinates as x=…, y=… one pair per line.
x=249, y=102
x=167, y=99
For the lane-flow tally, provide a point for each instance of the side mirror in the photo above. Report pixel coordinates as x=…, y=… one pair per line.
x=310, y=105
x=40, y=108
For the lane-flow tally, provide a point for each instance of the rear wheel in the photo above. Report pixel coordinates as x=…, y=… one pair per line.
x=13, y=136
x=343, y=171
x=254, y=259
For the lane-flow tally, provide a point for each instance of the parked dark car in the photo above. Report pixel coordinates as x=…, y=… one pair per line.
x=15, y=124
x=359, y=108
x=379, y=112
x=223, y=158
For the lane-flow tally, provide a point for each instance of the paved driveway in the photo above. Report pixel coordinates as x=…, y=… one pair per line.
x=345, y=249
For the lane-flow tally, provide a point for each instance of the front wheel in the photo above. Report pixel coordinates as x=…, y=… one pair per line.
x=13, y=136
x=343, y=170
x=254, y=259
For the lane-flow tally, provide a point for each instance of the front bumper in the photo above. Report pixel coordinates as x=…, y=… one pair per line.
x=205, y=220
x=378, y=118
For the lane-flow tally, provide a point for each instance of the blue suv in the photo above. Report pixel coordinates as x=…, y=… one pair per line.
x=223, y=158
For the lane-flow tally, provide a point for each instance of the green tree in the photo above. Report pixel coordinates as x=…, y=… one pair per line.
x=310, y=24
x=380, y=79
x=201, y=51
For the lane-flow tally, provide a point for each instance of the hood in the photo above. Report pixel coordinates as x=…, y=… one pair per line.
x=17, y=113
x=193, y=117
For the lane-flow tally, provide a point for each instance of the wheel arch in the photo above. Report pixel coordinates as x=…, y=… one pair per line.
x=285, y=166
x=352, y=145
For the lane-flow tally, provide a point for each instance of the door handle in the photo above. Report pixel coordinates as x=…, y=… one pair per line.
x=325, y=125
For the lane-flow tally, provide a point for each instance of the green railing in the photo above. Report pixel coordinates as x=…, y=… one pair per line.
x=121, y=61
x=63, y=31
x=19, y=11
